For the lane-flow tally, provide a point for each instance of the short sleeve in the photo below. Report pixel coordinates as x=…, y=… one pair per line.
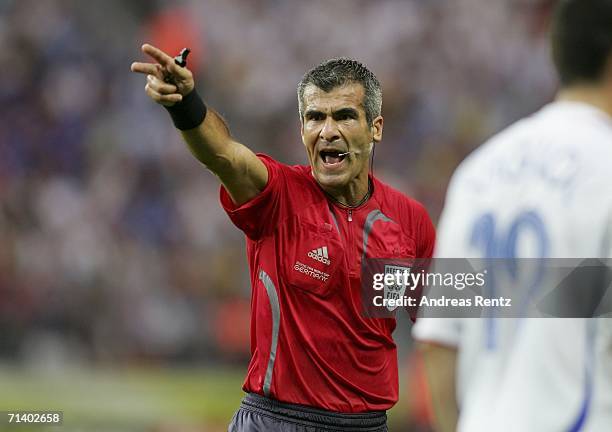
x=443, y=331
x=606, y=246
x=259, y=215
x=427, y=236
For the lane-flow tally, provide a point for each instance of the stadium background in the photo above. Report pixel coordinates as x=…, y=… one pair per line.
x=124, y=294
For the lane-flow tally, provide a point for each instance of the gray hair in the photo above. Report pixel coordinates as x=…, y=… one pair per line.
x=337, y=72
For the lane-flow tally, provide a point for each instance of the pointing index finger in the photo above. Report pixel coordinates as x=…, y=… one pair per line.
x=161, y=57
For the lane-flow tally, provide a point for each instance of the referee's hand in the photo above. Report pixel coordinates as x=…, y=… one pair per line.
x=167, y=82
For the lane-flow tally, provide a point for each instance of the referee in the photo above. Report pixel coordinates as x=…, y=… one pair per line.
x=316, y=362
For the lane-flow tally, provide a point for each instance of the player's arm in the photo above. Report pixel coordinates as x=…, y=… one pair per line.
x=440, y=365
x=242, y=173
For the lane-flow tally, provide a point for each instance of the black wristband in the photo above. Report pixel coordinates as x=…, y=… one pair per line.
x=188, y=113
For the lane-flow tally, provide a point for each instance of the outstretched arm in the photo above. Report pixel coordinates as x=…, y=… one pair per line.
x=242, y=173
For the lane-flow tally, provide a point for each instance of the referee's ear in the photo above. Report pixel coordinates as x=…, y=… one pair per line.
x=377, y=129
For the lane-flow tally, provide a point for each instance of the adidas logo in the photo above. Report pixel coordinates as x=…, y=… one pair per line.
x=320, y=255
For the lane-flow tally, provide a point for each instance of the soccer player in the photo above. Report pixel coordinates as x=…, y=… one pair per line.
x=317, y=363
x=541, y=188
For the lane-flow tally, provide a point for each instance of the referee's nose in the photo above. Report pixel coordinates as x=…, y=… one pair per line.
x=329, y=131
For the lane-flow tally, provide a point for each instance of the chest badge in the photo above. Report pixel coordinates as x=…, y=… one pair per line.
x=396, y=289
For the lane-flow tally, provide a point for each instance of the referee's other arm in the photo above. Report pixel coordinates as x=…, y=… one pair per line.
x=242, y=173
x=440, y=365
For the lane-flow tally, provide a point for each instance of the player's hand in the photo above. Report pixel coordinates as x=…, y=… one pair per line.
x=167, y=82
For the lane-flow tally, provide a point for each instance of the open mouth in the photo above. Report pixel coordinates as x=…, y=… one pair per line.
x=332, y=157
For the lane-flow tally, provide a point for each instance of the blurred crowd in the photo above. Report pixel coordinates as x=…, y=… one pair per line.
x=113, y=246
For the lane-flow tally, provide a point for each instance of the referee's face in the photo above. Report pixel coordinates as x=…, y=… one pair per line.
x=335, y=123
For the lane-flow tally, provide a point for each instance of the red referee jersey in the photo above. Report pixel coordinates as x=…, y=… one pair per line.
x=310, y=344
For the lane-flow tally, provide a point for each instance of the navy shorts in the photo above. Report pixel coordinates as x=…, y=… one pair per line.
x=258, y=413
